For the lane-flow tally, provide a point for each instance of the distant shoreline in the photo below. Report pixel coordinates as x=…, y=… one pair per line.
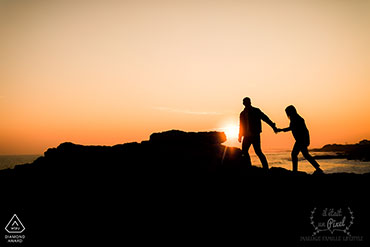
x=359, y=151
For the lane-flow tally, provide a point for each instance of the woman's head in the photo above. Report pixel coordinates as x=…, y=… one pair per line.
x=291, y=111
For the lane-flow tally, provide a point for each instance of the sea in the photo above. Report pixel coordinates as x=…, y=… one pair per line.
x=10, y=161
x=275, y=159
x=283, y=159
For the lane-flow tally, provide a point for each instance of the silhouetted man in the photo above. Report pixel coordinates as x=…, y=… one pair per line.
x=251, y=128
x=302, y=138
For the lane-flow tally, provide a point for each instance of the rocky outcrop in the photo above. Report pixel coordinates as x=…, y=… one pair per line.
x=174, y=184
x=170, y=153
x=166, y=155
x=188, y=138
x=359, y=151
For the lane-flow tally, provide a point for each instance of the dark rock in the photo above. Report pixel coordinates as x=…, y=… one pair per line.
x=176, y=184
x=166, y=155
x=359, y=151
x=174, y=137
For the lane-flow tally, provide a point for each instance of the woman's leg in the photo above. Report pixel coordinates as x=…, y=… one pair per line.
x=310, y=158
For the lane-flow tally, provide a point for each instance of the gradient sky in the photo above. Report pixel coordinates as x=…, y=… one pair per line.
x=108, y=72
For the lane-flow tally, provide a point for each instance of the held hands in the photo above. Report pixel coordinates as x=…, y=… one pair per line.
x=276, y=130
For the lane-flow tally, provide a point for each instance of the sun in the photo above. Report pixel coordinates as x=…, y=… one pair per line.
x=231, y=132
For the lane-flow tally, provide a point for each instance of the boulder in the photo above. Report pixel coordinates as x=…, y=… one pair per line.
x=176, y=137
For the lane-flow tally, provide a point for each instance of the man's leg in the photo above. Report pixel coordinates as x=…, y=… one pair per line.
x=247, y=142
x=295, y=152
x=257, y=149
x=310, y=158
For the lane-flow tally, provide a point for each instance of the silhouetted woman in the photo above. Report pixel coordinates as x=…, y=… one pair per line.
x=302, y=138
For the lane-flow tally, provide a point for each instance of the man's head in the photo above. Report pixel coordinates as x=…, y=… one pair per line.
x=291, y=111
x=247, y=102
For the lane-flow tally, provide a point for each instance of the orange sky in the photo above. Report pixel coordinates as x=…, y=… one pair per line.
x=103, y=72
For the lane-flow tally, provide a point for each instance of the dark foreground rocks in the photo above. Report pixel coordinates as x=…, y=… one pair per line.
x=175, y=188
x=171, y=154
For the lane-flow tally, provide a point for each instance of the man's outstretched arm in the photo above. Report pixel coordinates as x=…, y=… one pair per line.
x=265, y=118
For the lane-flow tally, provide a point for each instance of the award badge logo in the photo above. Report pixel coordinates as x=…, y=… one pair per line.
x=14, y=228
x=15, y=225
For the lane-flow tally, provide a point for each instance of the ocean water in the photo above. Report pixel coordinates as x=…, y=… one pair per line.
x=9, y=161
x=282, y=159
x=275, y=159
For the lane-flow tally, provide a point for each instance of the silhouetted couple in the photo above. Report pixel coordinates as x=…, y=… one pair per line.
x=251, y=128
